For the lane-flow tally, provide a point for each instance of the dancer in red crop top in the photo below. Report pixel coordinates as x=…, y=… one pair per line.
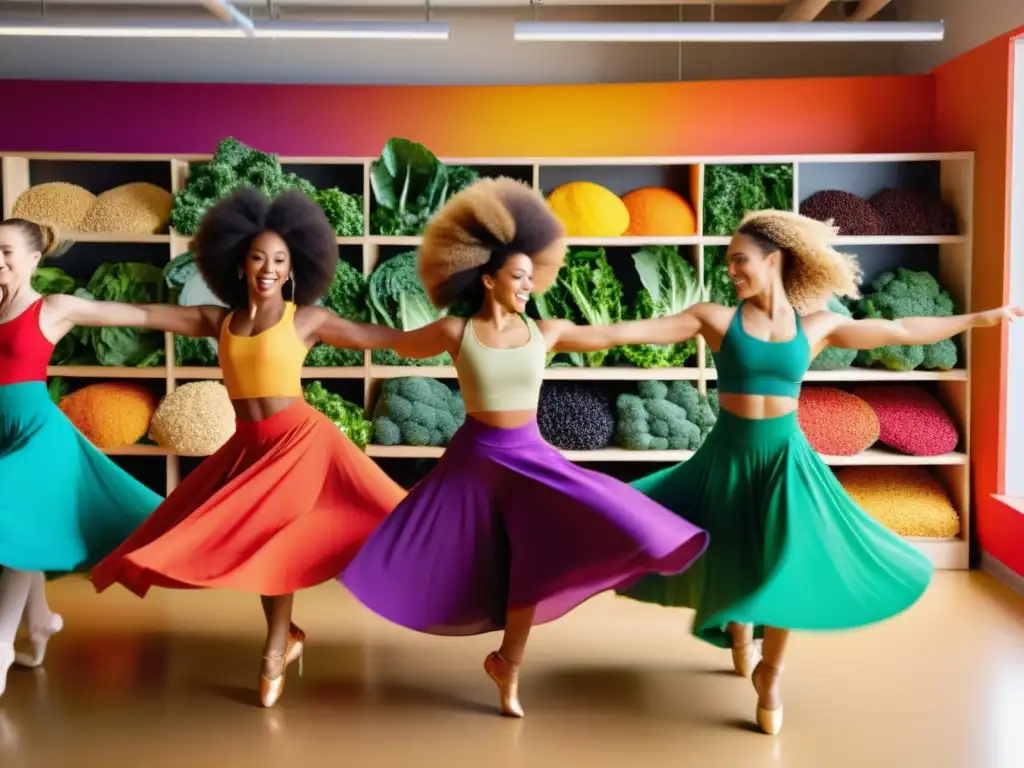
x=63, y=504
x=289, y=499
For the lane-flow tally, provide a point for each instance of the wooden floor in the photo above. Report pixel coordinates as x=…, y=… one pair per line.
x=170, y=681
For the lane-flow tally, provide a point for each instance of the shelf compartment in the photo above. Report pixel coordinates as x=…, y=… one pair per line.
x=106, y=372
x=196, y=372
x=875, y=375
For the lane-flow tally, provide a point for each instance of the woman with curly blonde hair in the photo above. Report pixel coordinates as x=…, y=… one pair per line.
x=505, y=532
x=790, y=550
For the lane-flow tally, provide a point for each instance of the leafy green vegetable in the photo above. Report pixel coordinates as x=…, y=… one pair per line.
x=718, y=287
x=398, y=300
x=908, y=293
x=58, y=388
x=730, y=191
x=344, y=211
x=133, y=283
x=234, y=164
x=410, y=185
x=417, y=411
x=346, y=298
x=187, y=288
x=670, y=285
x=53, y=280
x=348, y=417
x=586, y=289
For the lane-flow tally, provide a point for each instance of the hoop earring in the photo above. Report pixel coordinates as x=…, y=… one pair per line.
x=291, y=276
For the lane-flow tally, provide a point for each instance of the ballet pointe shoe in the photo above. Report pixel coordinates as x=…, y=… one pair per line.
x=6, y=659
x=768, y=720
x=271, y=688
x=745, y=657
x=505, y=674
x=38, y=638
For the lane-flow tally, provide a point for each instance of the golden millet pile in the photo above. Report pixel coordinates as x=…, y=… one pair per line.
x=57, y=203
x=138, y=207
x=194, y=420
x=112, y=414
x=905, y=499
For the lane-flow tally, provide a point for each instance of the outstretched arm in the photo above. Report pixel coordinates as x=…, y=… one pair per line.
x=184, y=321
x=428, y=341
x=566, y=336
x=872, y=333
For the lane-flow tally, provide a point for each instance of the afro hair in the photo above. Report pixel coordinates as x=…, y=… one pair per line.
x=227, y=230
x=478, y=229
x=813, y=270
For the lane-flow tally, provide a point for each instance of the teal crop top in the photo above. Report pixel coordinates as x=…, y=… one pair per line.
x=493, y=379
x=747, y=365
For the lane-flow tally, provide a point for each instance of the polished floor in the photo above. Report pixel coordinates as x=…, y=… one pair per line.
x=170, y=681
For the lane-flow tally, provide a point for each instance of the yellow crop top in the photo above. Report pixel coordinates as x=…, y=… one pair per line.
x=268, y=364
x=493, y=379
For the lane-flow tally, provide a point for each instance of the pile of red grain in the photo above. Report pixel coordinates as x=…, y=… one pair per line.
x=852, y=214
x=911, y=420
x=836, y=423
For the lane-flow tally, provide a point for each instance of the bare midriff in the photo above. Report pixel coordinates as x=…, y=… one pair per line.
x=257, y=409
x=505, y=419
x=757, y=406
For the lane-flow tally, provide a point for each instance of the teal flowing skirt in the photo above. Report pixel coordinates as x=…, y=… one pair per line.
x=789, y=547
x=64, y=504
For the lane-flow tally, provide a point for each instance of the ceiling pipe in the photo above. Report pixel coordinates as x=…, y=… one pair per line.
x=227, y=12
x=867, y=9
x=803, y=10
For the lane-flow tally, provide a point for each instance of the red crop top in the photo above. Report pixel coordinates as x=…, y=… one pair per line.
x=24, y=350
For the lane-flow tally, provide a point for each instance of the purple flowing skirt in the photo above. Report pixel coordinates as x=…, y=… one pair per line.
x=505, y=521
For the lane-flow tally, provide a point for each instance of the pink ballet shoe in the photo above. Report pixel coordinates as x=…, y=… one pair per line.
x=6, y=659
x=505, y=674
x=38, y=638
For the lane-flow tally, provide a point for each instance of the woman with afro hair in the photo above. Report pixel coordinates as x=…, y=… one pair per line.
x=505, y=532
x=790, y=550
x=287, y=501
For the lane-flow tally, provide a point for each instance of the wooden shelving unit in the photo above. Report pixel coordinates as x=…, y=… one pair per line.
x=952, y=175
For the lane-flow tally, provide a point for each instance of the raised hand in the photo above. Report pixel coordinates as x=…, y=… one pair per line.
x=998, y=315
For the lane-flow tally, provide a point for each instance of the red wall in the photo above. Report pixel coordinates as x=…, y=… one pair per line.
x=968, y=116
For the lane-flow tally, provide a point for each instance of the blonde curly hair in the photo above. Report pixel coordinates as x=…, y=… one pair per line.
x=812, y=269
x=478, y=229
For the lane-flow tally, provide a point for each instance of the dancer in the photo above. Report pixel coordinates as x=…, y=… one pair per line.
x=790, y=550
x=285, y=503
x=64, y=505
x=504, y=532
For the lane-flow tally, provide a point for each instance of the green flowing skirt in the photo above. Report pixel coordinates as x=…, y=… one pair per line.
x=789, y=547
x=64, y=504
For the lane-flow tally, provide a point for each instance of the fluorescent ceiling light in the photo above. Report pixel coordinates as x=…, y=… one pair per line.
x=324, y=30
x=113, y=28
x=730, y=32
x=354, y=30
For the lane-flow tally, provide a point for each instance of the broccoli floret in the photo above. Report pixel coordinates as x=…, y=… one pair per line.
x=908, y=293
x=417, y=411
x=575, y=417
x=835, y=358
x=664, y=416
x=345, y=212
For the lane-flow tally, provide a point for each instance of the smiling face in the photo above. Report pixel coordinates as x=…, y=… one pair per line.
x=512, y=284
x=751, y=269
x=267, y=265
x=18, y=260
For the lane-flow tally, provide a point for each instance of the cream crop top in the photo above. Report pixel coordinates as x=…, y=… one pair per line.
x=493, y=379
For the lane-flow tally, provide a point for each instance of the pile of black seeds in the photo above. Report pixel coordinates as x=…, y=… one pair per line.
x=908, y=212
x=575, y=417
x=854, y=215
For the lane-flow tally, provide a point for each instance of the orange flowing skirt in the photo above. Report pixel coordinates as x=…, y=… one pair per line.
x=285, y=504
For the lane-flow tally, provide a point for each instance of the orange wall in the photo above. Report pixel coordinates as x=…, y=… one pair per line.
x=973, y=97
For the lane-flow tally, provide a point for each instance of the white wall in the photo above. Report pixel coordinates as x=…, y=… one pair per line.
x=1015, y=373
